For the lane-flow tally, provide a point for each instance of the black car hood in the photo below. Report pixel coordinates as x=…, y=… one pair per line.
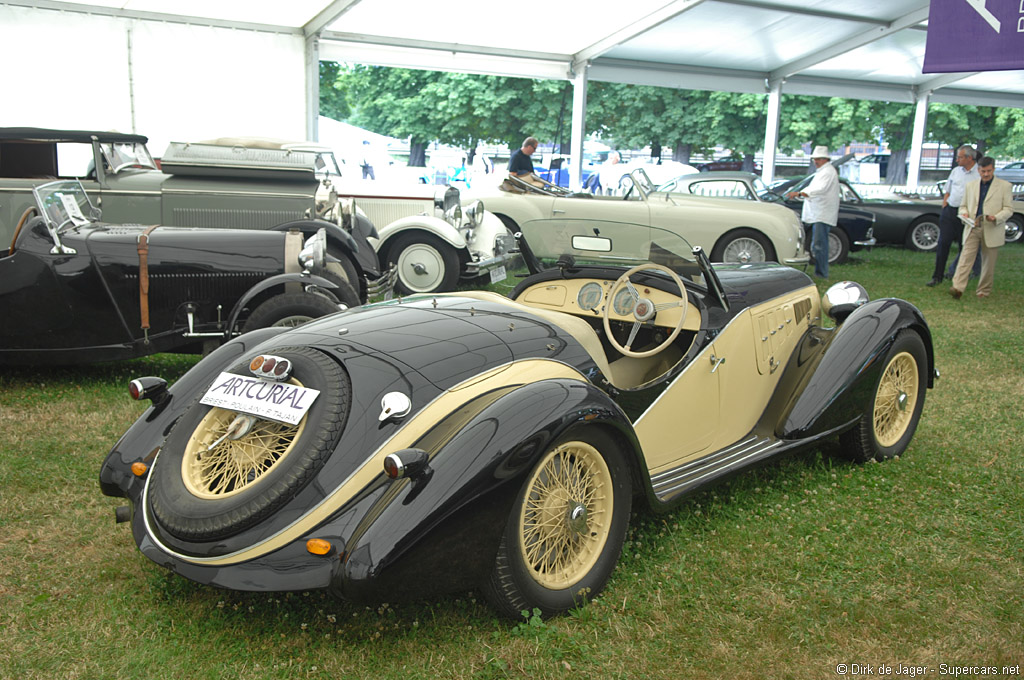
x=750, y=284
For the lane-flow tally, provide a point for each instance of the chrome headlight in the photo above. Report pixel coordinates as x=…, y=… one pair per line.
x=475, y=213
x=842, y=298
x=314, y=251
x=453, y=215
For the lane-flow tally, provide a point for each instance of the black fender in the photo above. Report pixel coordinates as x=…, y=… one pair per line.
x=335, y=234
x=839, y=375
x=404, y=546
x=265, y=284
x=143, y=439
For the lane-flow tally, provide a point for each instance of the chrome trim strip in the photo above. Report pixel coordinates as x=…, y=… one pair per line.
x=211, y=192
x=711, y=467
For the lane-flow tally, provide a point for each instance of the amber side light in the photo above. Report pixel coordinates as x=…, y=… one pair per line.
x=318, y=546
x=139, y=468
x=255, y=363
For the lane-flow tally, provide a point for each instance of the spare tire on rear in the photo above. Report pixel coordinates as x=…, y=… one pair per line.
x=199, y=493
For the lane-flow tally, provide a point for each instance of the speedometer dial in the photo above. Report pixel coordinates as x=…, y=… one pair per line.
x=590, y=296
x=624, y=302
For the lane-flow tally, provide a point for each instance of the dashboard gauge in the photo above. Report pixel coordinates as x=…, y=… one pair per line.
x=623, y=303
x=590, y=296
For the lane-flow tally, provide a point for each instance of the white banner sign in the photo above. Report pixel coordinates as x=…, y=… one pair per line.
x=276, y=401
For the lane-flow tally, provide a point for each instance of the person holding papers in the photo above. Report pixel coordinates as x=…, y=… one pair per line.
x=984, y=211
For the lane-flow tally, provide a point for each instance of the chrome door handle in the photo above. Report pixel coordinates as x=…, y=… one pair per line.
x=556, y=211
x=716, y=362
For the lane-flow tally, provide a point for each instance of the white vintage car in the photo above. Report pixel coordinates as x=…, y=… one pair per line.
x=430, y=236
x=729, y=231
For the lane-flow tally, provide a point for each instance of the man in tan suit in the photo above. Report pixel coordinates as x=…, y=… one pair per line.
x=984, y=211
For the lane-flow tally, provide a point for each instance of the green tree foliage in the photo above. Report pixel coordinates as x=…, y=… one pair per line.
x=635, y=116
x=737, y=122
x=333, y=94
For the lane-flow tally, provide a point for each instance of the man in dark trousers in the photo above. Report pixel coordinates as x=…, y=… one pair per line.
x=950, y=228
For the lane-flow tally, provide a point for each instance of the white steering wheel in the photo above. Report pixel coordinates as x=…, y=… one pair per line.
x=643, y=310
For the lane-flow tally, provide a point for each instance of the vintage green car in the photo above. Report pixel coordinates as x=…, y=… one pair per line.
x=241, y=183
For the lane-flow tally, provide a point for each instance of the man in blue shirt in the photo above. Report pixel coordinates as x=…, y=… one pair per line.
x=950, y=228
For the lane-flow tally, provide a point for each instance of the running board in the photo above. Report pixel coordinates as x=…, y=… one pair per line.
x=673, y=483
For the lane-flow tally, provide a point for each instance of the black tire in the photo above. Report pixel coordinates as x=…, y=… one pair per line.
x=520, y=582
x=213, y=503
x=1015, y=229
x=886, y=428
x=340, y=275
x=290, y=309
x=923, y=234
x=838, y=246
x=440, y=263
x=743, y=245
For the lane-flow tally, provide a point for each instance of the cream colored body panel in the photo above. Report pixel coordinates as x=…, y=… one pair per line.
x=749, y=373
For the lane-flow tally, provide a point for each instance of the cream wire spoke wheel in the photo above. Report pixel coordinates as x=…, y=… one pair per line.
x=566, y=517
x=895, y=399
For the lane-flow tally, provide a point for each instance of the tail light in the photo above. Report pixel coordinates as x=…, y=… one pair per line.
x=154, y=389
x=406, y=463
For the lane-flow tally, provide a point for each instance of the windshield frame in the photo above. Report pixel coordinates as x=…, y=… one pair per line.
x=119, y=156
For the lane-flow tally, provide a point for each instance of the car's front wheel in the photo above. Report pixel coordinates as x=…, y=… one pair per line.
x=743, y=246
x=1014, y=229
x=566, y=530
x=425, y=263
x=890, y=419
x=838, y=246
x=924, y=233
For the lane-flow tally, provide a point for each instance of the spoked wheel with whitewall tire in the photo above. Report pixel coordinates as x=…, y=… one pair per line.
x=221, y=472
x=1014, y=229
x=838, y=246
x=888, y=423
x=566, y=529
x=742, y=246
x=923, y=234
x=425, y=263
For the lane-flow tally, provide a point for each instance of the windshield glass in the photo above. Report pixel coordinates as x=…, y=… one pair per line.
x=63, y=203
x=608, y=244
x=763, y=192
x=121, y=155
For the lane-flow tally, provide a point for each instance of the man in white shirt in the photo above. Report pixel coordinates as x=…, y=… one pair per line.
x=821, y=207
x=950, y=228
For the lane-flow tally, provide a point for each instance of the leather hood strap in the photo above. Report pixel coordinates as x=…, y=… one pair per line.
x=144, y=276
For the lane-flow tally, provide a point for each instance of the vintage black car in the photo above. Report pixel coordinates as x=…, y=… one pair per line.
x=466, y=440
x=75, y=290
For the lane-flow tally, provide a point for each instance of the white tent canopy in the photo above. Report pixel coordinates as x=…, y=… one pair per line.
x=193, y=69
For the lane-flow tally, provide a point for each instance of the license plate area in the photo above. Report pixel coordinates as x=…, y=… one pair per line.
x=280, y=401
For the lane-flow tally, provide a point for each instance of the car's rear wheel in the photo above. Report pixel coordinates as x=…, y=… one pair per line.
x=566, y=530
x=743, y=246
x=218, y=475
x=890, y=419
x=424, y=262
x=923, y=233
x=289, y=310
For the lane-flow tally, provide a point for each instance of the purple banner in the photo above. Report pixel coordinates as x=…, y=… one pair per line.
x=974, y=35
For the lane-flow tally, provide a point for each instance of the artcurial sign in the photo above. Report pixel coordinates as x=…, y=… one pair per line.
x=974, y=35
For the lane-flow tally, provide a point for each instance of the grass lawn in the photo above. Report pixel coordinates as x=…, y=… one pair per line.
x=782, y=572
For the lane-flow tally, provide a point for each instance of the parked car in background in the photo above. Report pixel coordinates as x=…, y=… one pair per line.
x=121, y=178
x=853, y=232
x=258, y=184
x=904, y=222
x=1012, y=172
x=730, y=231
x=728, y=164
x=441, y=443
x=76, y=290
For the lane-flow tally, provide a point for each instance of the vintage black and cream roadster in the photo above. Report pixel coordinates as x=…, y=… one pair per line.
x=443, y=442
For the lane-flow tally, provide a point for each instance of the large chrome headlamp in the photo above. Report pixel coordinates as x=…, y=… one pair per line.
x=842, y=298
x=314, y=251
x=475, y=212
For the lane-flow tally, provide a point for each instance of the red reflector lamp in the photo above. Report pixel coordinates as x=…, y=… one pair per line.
x=406, y=463
x=154, y=389
x=318, y=546
x=269, y=366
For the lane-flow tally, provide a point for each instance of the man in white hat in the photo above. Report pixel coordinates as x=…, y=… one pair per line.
x=821, y=207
